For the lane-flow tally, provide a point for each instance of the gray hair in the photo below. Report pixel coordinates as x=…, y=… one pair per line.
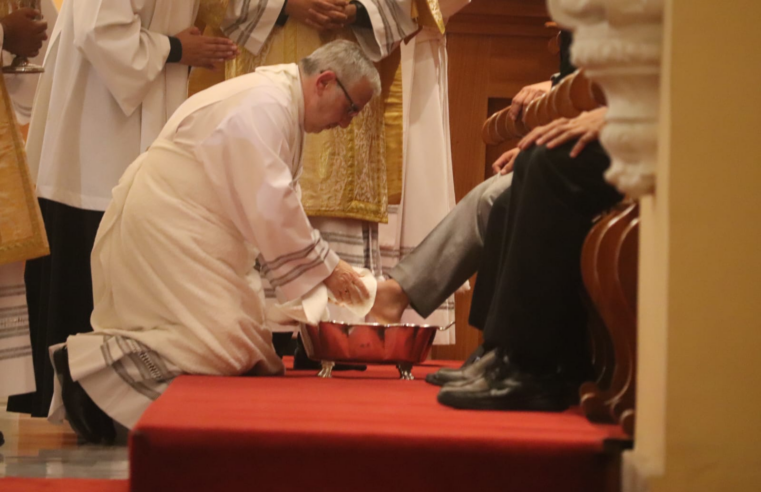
x=347, y=60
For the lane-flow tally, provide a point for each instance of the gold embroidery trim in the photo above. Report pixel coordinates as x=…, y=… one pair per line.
x=22, y=233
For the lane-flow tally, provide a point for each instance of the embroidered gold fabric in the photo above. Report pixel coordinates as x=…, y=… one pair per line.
x=394, y=124
x=22, y=232
x=211, y=13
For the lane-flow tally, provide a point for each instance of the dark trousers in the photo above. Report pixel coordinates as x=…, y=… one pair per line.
x=527, y=295
x=59, y=294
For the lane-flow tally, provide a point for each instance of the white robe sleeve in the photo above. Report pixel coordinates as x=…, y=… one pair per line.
x=392, y=22
x=249, y=22
x=246, y=160
x=126, y=56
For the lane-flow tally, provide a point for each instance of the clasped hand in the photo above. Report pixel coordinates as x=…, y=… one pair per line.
x=323, y=15
x=24, y=32
x=204, y=51
x=586, y=128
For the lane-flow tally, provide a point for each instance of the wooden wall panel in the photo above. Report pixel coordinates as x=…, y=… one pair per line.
x=466, y=105
x=495, y=48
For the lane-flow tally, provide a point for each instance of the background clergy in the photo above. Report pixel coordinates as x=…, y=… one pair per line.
x=173, y=264
x=114, y=72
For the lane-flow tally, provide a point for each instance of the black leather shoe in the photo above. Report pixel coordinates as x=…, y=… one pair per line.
x=302, y=362
x=86, y=418
x=505, y=388
x=466, y=373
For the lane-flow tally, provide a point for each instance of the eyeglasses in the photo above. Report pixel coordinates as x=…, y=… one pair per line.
x=353, y=108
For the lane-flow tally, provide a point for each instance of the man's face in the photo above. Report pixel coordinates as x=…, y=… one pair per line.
x=334, y=103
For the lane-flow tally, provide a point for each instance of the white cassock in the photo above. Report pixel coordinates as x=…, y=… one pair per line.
x=102, y=103
x=428, y=183
x=174, y=283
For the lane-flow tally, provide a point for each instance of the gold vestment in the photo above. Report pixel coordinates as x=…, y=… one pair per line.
x=22, y=232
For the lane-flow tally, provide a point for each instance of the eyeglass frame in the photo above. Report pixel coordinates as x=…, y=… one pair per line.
x=353, y=108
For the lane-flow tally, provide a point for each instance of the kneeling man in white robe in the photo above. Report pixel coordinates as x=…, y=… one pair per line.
x=175, y=288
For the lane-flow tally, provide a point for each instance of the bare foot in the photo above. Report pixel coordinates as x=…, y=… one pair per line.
x=390, y=302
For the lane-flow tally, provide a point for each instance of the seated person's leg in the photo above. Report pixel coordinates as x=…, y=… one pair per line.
x=422, y=279
x=495, y=234
x=536, y=317
x=491, y=259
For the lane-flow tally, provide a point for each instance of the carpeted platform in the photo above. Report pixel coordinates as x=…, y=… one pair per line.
x=358, y=432
x=61, y=485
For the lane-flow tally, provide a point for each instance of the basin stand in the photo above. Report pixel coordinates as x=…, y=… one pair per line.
x=404, y=368
x=405, y=371
x=327, y=369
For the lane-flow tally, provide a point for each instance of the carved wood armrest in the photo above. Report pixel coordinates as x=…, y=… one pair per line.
x=573, y=95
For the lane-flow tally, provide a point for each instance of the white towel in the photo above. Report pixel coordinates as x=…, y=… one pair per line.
x=313, y=307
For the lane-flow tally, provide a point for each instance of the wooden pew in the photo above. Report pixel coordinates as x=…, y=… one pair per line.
x=568, y=99
x=609, y=263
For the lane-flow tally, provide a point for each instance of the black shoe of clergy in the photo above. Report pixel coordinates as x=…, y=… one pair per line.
x=467, y=372
x=86, y=418
x=504, y=387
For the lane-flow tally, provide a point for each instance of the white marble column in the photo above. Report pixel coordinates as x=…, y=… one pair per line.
x=619, y=44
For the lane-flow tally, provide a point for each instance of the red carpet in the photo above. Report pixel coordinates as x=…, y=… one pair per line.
x=61, y=485
x=357, y=432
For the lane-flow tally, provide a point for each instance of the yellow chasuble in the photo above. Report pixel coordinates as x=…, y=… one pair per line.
x=348, y=173
x=22, y=233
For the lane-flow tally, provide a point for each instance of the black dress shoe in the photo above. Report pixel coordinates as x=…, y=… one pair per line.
x=466, y=373
x=302, y=362
x=86, y=418
x=503, y=387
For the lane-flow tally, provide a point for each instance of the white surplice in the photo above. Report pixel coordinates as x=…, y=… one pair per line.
x=105, y=94
x=173, y=262
x=428, y=183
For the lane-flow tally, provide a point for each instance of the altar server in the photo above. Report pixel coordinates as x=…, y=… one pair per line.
x=175, y=287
